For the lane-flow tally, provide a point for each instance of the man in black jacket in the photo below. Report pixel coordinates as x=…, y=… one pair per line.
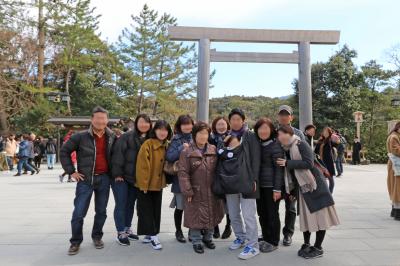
x=93, y=148
x=285, y=117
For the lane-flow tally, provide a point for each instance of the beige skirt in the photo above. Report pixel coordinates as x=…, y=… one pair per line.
x=319, y=220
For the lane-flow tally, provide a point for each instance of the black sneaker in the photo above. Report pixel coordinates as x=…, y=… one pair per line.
x=131, y=235
x=266, y=247
x=209, y=244
x=179, y=236
x=287, y=241
x=227, y=232
x=313, y=253
x=216, y=233
x=122, y=239
x=304, y=249
x=198, y=248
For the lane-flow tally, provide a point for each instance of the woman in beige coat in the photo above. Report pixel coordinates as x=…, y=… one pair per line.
x=393, y=166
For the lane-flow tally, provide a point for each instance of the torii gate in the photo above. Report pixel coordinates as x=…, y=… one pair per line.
x=303, y=38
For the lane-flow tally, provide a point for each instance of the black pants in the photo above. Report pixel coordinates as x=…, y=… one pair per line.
x=290, y=217
x=38, y=161
x=149, y=212
x=268, y=214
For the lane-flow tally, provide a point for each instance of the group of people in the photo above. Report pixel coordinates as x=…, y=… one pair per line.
x=27, y=151
x=223, y=170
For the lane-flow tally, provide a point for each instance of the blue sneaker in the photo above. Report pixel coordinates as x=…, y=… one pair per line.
x=248, y=253
x=238, y=243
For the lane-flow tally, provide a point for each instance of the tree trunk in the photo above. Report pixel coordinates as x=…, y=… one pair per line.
x=67, y=77
x=3, y=117
x=41, y=45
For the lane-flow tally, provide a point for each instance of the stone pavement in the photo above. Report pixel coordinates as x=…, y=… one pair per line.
x=35, y=228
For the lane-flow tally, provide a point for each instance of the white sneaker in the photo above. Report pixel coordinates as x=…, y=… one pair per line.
x=238, y=243
x=146, y=240
x=155, y=243
x=248, y=253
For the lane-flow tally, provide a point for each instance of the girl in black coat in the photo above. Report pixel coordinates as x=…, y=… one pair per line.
x=325, y=150
x=270, y=182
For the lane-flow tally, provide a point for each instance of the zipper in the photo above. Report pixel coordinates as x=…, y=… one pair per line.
x=94, y=162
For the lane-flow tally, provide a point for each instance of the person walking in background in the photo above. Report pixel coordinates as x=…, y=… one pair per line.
x=181, y=140
x=73, y=157
x=203, y=210
x=306, y=183
x=150, y=181
x=219, y=130
x=39, y=150
x=93, y=148
x=24, y=153
x=271, y=184
x=51, y=151
x=356, y=151
x=11, y=150
x=341, y=149
x=124, y=160
x=393, y=168
x=285, y=118
x=324, y=149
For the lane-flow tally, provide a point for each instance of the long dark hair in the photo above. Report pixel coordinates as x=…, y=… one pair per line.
x=182, y=120
x=161, y=124
x=396, y=128
x=147, y=119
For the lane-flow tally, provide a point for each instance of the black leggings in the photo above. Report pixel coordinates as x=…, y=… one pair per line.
x=178, y=219
x=320, y=235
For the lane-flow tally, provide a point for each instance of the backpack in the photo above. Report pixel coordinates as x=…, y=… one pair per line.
x=50, y=148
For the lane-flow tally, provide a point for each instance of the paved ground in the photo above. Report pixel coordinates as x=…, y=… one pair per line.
x=36, y=210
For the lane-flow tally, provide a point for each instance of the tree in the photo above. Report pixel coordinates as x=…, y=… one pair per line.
x=164, y=71
x=375, y=80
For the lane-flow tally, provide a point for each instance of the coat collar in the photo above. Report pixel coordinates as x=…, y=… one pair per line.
x=156, y=144
x=108, y=131
x=194, y=151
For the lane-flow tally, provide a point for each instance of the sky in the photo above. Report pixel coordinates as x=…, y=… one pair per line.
x=371, y=27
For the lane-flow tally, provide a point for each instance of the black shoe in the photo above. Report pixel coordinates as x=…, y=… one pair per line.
x=73, y=249
x=266, y=247
x=25, y=173
x=313, y=253
x=216, y=233
x=98, y=243
x=198, y=248
x=33, y=172
x=397, y=214
x=304, y=249
x=132, y=236
x=209, y=244
x=227, y=232
x=287, y=241
x=122, y=239
x=17, y=174
x=179, y=236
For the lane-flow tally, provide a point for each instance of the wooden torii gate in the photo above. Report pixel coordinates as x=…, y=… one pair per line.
x=303, y=38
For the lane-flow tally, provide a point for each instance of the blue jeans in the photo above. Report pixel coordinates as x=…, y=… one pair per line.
x=51, y=159
x=339, y=164
x=23, y=162
x=10, y=162
x=125, y=195
x=83, y=194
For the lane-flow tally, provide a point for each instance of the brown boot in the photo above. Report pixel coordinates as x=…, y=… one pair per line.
x=73, y=249
x=98, y=243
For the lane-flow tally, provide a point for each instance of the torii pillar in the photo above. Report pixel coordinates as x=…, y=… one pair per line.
x=303, y=38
